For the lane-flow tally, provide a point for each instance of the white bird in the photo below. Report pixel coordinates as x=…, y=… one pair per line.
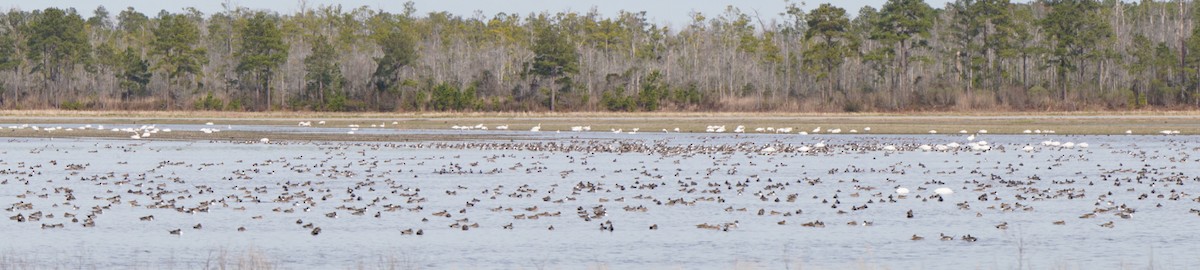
x=943, y=191
x=902, y=191
x=925, y=147
x=1027, y=148
x=1082, y=145
x=1027, y=131
x=890, y=148
x=208, y=124
x=962, y=131
x=676, y=129
x=866, y=129
x=971, y=138
x=816, y=130
x=768, y=150
x=536, y=128
x=931, y=131
x=264, y=140
x=804, y=148
x=819, y=145
x=1128, y=131
x=504, y=127
x=982, y=131
x=804, y=133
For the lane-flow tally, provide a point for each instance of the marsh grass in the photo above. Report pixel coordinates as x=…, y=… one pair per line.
x=1078, y=123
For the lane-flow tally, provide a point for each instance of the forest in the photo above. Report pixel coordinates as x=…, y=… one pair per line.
x=994, y=55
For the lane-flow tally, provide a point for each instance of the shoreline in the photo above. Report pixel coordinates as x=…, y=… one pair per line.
x=1186, y=122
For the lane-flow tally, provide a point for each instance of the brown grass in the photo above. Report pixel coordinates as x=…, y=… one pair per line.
x=1094, y=122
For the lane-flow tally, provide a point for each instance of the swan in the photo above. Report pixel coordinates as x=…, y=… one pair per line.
x=536, y=128
x=902, y=191
x=943, y=191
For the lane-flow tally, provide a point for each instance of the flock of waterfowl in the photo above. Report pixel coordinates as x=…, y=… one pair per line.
x=706, y=182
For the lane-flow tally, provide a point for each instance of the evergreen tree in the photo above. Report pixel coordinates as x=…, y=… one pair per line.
x=261, y=52
x=176, y=41
x=323, y=78
x=830, y=42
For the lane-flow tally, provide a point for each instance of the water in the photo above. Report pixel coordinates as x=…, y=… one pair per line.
x=1160, y=233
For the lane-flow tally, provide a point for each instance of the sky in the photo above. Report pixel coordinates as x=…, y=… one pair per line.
x=674, y=12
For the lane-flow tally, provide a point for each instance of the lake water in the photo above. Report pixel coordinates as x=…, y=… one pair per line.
x=673, y=181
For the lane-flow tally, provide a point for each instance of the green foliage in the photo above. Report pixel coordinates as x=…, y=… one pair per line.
x=56, y=42
x=617, y=101
x=651, y=97
x=209, y=103
x=175, y=43
x=902, y=56
x=134, y=74
x=130, y=20
x=981, y=31
x=323, y=78
x=262, y=50
x=72, y=105
x=9, y=60
x=1076, y=29
x=901, y=20
x=554, y=55
x=830, y=43
x=399, y=50
x=446, y=97
x=100, y=19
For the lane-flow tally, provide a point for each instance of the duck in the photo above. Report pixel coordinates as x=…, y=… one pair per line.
x=917, y=237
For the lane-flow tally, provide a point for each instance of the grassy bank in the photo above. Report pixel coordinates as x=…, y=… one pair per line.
x=1097, y=123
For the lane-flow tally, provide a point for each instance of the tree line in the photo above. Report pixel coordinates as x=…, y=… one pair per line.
x=903, y=56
